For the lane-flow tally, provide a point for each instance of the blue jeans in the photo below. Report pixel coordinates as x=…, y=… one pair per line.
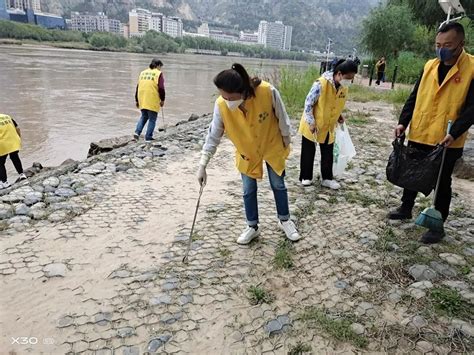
x=279, y=192
x=149, y=116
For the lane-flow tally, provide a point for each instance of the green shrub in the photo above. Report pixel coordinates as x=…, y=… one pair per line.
x=409, y=68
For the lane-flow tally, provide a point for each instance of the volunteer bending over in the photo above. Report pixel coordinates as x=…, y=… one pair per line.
x=322, y=112
x=252, y=114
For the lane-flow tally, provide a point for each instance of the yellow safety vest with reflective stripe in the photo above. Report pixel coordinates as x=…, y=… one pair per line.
x=10, y=141
x=437, y=104
x=148, y=96
x=326, y=112
x=256, y=135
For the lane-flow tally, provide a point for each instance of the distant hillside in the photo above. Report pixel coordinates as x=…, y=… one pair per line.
x=313, y=21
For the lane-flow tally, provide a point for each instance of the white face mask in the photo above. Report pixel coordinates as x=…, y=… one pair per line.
x=345, y=82
x=233, y=105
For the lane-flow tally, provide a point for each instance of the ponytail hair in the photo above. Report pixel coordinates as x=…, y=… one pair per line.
x=345, y=67
x=237, y=80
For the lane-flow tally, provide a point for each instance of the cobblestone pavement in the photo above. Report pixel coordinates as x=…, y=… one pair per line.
x=99, y=271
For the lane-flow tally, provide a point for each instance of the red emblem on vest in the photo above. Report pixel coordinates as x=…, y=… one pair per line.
x=457, y=79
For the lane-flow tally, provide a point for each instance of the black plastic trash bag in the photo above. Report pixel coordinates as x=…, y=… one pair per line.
x=413, y=168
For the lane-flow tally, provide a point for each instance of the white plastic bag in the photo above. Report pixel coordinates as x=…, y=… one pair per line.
x=344, y=150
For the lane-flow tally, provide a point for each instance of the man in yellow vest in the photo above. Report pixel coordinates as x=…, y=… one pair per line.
x=253, y=116
x=444, y=92
x=149, y=98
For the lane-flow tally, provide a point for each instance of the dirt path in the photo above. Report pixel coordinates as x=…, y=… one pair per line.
x=349, y=285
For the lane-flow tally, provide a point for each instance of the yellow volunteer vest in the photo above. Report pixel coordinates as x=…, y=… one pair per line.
x=148, y=97
x=9, y=139
x=326, y=112
x=436, y=105
x=256, y=135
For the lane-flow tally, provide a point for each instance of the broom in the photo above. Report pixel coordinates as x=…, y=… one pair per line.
x=431, y=218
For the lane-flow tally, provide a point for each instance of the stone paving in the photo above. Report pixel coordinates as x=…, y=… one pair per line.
x=91, y=260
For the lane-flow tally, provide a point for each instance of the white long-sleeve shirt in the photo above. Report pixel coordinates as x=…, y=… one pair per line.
x=216, y=129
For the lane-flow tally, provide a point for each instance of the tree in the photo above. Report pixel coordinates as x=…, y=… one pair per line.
x=388, y=30
x=429, y=12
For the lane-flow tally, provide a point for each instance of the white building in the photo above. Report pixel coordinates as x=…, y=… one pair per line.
x=275, y=35
x=204, y=29
x=173, y=26
x=249, y=37
x=287, y=38
x=139, y=20
x=156, y=22
x=94, y=23
x=35, y=5
x=83, y=22
x=115, y=26
x=221, y=36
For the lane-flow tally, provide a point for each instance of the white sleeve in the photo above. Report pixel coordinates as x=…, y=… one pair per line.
x=213, y=138
x=280, y=113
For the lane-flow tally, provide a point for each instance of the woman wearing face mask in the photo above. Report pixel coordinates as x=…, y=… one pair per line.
x=322, y=112
x=252, y=114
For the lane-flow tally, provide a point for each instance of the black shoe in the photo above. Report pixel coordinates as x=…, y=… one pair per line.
x=150, y=140
x=400, y=213
x=431, y=237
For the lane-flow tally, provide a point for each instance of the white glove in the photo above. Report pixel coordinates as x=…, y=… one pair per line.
x=202, y=175
x=286, y=141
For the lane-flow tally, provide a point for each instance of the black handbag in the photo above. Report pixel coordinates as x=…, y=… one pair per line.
x=413, y=168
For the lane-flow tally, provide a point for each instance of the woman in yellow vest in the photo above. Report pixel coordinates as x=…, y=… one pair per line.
x=322, y=112
x=253, y=116
x=149, y=98
x=10, y=143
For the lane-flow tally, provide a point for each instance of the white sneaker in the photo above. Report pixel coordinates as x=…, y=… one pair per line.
x=306, y=182
x=248, y=235
x=332, y=184
x=4, y=185
x=290, y=230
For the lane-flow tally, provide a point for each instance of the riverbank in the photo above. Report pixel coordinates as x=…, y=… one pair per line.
x=151, y=42
x=100, y=270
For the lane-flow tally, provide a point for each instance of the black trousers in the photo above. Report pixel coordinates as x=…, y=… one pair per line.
x=443, y=200
x=308, y=151
x=15, y=157
x=379, y=77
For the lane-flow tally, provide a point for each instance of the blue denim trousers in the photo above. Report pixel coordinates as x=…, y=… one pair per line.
x=150, y=117
x=279, y=192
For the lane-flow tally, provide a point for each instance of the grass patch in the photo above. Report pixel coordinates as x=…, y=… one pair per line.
x=359, y=198
x=464, y=270
x=447, y=301
x=350, y=166
x=224, y=252
x=332, y=200
x=385, y=240
x=258, y=295
x=359, y=118
x=408, y=244
x=196, y=236
x=300, y=349
x=339, y=327
x=458, y=212
x=362, y=93
x=294, y=85
x=284, y=255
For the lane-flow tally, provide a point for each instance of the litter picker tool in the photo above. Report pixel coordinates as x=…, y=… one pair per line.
x=190, y=240
x=163, y=117
x=431, y=218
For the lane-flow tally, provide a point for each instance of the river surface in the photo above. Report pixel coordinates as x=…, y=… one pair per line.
x=65, y=99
